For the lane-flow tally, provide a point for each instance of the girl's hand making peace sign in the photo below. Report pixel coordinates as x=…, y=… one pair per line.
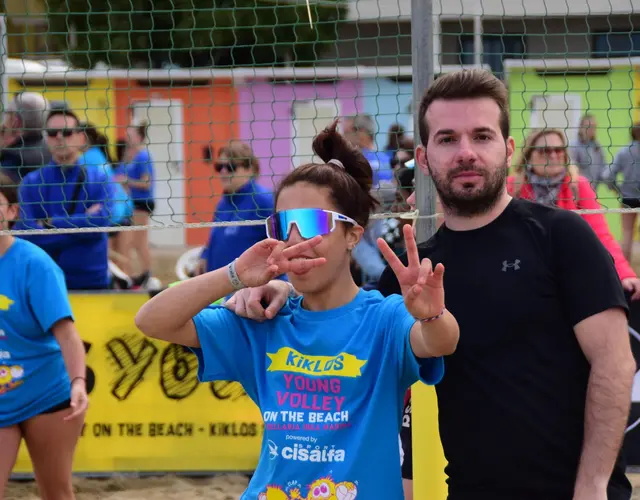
x=421, y=285
x=270, y=258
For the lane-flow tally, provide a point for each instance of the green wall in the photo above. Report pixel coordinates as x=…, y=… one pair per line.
x=610, y=97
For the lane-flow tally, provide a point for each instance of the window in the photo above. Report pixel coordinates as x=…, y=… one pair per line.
x=496, y=48
x=616, y=44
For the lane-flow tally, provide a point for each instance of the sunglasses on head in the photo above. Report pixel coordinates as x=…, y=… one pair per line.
x=230, y=166
x=66, y=132
x=310, y=222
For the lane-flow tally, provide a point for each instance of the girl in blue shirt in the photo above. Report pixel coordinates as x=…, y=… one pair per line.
x=330, y=370
x=139, y=179
x=243, y=199
x=43, y=396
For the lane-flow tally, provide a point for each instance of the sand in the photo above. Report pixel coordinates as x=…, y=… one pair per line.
x=168, y=487
x=149, y=488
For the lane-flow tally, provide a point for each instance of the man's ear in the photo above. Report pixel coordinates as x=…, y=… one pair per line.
x=421, y=159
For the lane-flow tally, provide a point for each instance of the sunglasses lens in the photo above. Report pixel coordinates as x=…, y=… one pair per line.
x=230, y=167
x=67, y=132
x=310, y=222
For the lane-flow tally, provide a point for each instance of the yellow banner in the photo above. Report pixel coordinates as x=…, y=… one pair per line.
x=147, y=410
x=429, y=478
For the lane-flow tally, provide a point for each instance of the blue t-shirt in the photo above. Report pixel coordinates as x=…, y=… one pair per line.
x=122, y=208
x=45, y=194
x=33, y=297
x=140, y=166
x=330, y=386
x=380, y=162
x=226, y=243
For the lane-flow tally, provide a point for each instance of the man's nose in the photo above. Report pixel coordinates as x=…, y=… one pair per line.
x=466, y=153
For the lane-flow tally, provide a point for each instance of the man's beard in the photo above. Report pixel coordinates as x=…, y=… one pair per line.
x=471, y=201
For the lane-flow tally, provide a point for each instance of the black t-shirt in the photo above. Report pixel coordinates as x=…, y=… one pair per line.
x=512, y=400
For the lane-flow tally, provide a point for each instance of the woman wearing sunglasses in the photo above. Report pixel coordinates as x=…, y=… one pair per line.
x=545, y=175
x=244, y=199
x=330, y=370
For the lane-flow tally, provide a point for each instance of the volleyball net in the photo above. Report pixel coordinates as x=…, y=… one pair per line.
x=271, y=75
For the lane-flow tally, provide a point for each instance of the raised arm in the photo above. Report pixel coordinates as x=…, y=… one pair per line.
x=168, y=316
x=436, y=331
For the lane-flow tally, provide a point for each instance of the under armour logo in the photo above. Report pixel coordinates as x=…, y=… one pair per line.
x=515, y=265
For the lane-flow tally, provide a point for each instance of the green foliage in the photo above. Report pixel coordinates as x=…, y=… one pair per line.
x=194, y=33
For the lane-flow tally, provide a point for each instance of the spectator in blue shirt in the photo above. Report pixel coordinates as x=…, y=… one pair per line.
x=97, y=155
x=243, y=199
x=360, y=130
x=138, y=174
x=65, y=194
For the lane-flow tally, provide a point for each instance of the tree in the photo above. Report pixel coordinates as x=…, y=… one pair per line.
x=194, y=33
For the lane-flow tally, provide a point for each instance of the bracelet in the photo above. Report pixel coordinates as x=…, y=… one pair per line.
x=292, y=291
x=78, y=378
x=433, y=318
x=233, y=276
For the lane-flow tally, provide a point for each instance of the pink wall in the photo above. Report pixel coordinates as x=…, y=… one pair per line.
x=265, y=112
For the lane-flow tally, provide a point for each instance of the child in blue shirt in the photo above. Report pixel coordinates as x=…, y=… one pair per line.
x=43, y=396
x=329, y=371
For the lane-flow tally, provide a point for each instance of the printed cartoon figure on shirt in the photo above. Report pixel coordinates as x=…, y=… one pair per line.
x=273, y=493
x=326, y=489
x=5, y=303
x=10, y=377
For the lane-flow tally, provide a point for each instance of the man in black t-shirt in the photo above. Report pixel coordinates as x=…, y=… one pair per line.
x=534, y=401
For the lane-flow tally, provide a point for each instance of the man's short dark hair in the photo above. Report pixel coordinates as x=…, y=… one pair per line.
x=63, y=112
x=465, y=84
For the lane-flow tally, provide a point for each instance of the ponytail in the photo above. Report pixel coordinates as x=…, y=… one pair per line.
x=345, y=171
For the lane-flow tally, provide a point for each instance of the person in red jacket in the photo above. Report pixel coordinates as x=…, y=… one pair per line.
x=544, y=175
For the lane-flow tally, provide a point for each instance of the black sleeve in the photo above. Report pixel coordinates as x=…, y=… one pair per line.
x=388, y=283
x=588, y=280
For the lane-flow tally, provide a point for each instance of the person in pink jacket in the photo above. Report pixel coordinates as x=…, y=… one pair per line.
x=544, y=175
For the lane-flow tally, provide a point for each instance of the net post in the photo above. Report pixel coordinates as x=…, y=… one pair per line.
x=422, y=60
x=428, y=457
x=4, y=55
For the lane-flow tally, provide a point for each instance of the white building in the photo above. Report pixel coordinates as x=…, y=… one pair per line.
x=378, y=32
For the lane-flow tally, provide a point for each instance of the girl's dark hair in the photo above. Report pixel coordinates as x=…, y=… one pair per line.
x=350, y=187
x=395, y=136
x=142, y=129
x=9, y=189
x=121, y=147
x=98, y=139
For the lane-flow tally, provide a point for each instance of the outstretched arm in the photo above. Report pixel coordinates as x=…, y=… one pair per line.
x=168, y=315
x=436, y=332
